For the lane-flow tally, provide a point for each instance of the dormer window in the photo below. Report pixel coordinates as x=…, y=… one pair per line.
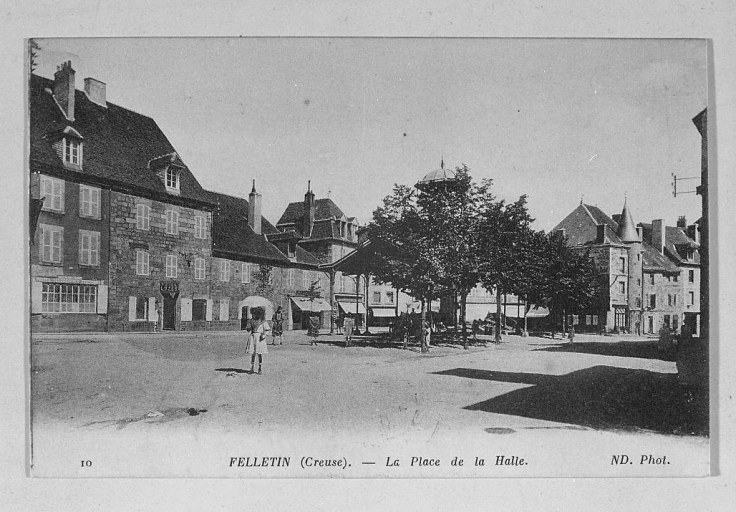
x=68, y=145
x=72, y=151
x=292, y=249
x=172, y=179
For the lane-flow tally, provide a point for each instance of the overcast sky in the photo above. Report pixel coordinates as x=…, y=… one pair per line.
x=555, y=119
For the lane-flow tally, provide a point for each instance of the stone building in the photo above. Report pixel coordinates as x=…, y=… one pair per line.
x=645, y=270
x=124, y=238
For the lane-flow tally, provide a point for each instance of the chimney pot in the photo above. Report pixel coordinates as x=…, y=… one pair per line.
x=681, y=222
x=96, y=91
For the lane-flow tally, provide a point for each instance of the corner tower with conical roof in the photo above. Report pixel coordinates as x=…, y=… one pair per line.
x=631, y=236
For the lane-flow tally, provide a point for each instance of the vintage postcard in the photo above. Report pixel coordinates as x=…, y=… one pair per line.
x=368, y=257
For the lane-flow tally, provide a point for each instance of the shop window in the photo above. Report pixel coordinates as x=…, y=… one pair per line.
x=68, y=298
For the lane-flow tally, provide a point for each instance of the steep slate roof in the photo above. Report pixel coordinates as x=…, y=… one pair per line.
x=324, y=209
x=581, y=226
x=654, y=260
x=232, y=234
x=118, y=144
x=673, y=237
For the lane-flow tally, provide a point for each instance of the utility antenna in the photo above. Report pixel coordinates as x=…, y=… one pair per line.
x=676, y=192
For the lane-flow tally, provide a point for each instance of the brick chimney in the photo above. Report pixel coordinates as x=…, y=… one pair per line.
x=309, y=211
x=658, y=233
x=254, y=210
x=681, y=222
x=64, y=88
x=96, y=91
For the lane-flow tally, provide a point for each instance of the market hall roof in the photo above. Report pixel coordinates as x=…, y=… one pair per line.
x=118, y=145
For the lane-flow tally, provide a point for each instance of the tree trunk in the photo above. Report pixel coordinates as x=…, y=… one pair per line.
x=498, y=315
x=526, y=312
x=422, y=337
x=463, y=305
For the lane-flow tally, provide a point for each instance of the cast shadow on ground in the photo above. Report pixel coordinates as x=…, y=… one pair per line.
x=599, y=397
x=232, y=370
x=638, y=349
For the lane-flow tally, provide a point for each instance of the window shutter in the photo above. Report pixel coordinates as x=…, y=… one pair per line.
x=58, y=237
x=186, y=310
x=152, y=315
x=224, y=310
x=209, y=310
x=102, y=299
x=131, y=308
x=36, y=296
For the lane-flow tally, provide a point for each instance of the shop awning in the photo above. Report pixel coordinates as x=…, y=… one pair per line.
x=304, y=304
x=349, y=307
x=384, y=312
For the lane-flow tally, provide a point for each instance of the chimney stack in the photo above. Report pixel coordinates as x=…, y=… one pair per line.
x=254, y=210
x=309, y=211
x=96, y=91
x=658, y=234
x=694, y=233
x=600, y=234
x=64, y=87
x=681, y=222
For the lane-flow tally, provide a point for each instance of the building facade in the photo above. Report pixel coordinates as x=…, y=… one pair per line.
x=648, y=271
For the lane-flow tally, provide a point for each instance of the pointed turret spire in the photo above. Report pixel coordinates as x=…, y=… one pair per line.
x=442, y=162
x=626, y=227
x=253, y=190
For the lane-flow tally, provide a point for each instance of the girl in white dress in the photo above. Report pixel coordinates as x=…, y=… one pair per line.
x=258, y=330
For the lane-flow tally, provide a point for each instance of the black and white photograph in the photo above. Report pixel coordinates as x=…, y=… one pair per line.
x=313, y=257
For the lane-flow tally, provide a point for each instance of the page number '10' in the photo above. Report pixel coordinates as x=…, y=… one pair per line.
x=86, y=463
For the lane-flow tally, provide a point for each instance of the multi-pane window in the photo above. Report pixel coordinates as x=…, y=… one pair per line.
x=691, y=276
x=143, y=216
x=51, y=241
x=199, y=271
x=171, y=265
x=172, y=178
x=376, y=297
x=172, y=222
x=89, y=201
x=390, y=297
x=52, y=192
x=72, y=151
x=141, y=263
x=245, y=273
x=199, y=226
x=224, y=270
x=68, y=298
x=89, y=248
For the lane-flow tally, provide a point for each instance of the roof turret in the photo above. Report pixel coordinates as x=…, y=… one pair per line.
x=626, y=227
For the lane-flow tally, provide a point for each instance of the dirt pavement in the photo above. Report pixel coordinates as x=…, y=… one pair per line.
x=117, y=380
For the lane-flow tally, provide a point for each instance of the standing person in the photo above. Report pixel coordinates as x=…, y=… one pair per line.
x=572, y=334
x=158, y=315
x=426, y=333
x=277, y=325
x=257, y=345
x=348, y=324
x=313, y=330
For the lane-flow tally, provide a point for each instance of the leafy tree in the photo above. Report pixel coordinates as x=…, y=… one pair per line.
x=572, y=284
x=34, y=49
x=312, y=293
x=409, y=261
